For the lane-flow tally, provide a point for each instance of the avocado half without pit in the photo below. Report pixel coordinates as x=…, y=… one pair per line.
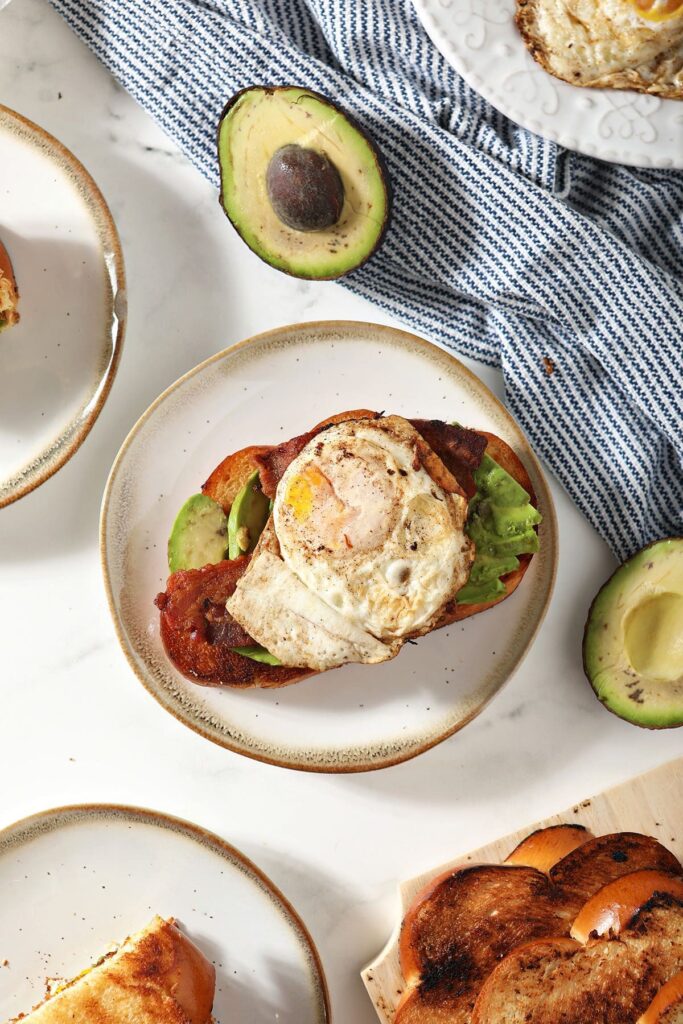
x=301, y=182
x=633, y=641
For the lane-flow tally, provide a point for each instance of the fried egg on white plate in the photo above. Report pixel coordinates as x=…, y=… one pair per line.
x=368, y=528
x=618, y=44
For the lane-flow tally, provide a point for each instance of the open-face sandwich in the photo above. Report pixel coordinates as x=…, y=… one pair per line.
x=9, y=297
x=571, y=929
x=608, y=44
x=341, y=545
x=158, y=976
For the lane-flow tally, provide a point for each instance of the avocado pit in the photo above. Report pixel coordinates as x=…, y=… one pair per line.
x=304, y=188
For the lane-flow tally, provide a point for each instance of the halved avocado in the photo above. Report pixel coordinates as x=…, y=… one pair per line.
x=301, y=182
x=633, y=641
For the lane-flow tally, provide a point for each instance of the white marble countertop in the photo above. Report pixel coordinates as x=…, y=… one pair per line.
x=77, y=726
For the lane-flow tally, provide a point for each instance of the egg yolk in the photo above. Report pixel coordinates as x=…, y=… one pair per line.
x=658, y=10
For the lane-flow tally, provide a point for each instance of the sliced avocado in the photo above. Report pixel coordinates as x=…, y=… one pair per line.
x=633, y=641
x=257, y=653
x=248, y=515
x=500, y=521
x=199, y=535
x=301, y=182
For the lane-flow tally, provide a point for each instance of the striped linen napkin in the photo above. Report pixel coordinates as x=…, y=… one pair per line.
x=565, y=272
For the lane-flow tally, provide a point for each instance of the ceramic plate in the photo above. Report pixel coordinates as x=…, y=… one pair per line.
x=264, y=391
x=480, y=39
x=57, y=365
x=77, y=879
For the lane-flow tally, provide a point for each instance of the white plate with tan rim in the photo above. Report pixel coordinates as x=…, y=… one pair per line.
x=76, y=880
x=479, y=38
x=265, y=390
x=58, y=363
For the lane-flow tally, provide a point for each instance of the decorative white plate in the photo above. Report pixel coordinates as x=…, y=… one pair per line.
x=57, y=365
x=266, y=390
x=480, y=39
x=75, y=880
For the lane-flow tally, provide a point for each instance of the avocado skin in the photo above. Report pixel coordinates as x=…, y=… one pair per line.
x=619, y=705
x=380, y=162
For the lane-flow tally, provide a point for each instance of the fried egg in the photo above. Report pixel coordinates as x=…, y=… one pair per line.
x=620, y=44
x=369, y=525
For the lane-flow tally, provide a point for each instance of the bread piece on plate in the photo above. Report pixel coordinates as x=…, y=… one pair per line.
x=603, y=982
x=9, y=295
x=158, y=976
x=667, y=1005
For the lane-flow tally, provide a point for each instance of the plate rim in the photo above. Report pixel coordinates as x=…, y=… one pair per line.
x=108, y=236
x=441, y=39
x=198, y=833
x=198, y=727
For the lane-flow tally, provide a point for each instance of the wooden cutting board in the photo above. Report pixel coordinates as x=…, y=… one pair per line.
x=651, y=803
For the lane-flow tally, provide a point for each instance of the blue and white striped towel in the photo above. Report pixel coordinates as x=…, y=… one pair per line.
x=502, y=246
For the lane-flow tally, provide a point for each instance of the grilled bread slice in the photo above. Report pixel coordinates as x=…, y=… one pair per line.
x=156, y=977
x=9, y=296
x=462, y=924
x=544, y=847
x=608, y=981
x=667, y=1005
x=184, y=625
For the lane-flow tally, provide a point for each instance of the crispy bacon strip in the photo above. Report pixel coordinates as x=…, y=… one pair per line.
x=459, y=449
x=198, y=632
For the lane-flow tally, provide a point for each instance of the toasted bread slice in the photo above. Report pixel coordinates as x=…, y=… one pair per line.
x=460, y=927
x=609, y=911
x=156, y=977
x=9, y=295
x=546, y=846
x=581, y=873
x=667, y=1005
x=604, y=982
x=465, y=921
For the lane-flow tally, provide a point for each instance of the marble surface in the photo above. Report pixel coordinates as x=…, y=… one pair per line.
x=77, y=726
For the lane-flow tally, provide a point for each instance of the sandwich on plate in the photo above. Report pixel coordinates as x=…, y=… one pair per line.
x=342, y=545
x=9, y=296
x=158, y=976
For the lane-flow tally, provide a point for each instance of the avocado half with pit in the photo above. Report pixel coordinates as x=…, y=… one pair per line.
x=301, y=182
x=633, y=641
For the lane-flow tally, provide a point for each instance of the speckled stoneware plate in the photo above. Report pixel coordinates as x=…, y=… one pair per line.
x=75, y=880
x=57, y=365
x=480, y=40
x=262, y=391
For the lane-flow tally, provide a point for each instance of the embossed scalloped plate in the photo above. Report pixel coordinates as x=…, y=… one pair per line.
x=480, y=39
x=58, y=363
x=75, y=880
x=264, y=390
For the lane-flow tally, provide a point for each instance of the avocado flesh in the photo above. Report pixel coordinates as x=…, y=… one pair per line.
x=633, y=643
x=248, y=515
x=255, y=125
x=500, y=521
x=199, y=536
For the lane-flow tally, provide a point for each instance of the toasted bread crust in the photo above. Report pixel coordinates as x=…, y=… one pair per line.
x=157, y=977
x=640, y=79
x=546, y=846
